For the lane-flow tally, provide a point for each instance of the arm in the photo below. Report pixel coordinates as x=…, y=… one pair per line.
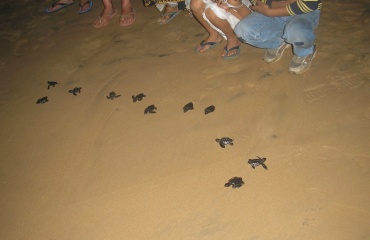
x=277, y=9
x=286, y=8
x=239, y=10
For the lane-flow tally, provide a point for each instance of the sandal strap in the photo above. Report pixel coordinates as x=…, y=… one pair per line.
x=59, y=4
x=82, y=5
x=128, y=14
x=233, y=48
x=203, y=43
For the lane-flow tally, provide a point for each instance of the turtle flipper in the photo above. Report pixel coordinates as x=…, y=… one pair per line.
x=264, y=166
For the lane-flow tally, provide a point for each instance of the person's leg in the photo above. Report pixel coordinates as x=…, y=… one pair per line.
x=224, y=26
x=169, y=11
x=128, y=13
x=299, y=32
x=108, y=8
x=264, y=32
x=261, y=31
x=107, y=14
x=197, y=7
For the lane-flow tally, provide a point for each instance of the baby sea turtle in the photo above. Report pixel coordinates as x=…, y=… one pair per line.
x=256, y=162
x=225, y=141
x=52, y=84
x=150, y=109
x=42, y=100
x=112, y=95
x=138, y=97
x=235, y=182
x=75, y=91
x=188, y=107
x=209, y=109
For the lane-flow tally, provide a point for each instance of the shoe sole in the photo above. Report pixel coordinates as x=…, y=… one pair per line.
x=281, y=55
x=308, y=66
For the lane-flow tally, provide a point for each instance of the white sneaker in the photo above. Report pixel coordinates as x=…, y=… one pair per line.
x=301, y=64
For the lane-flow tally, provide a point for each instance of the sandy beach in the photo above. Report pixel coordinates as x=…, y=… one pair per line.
x=87, y=167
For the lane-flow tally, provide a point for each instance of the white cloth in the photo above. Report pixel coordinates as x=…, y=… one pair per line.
x=222, y=14
x=161, y=6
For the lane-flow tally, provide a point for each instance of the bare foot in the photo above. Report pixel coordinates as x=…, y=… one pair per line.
x=84, y=5
x=104, y=18
x=58, y=5
x=127, y=17
x=203, y=46
x=230, y=44
x=167, y=13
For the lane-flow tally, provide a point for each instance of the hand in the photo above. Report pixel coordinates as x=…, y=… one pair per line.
x=222, y=5
x=261, y=7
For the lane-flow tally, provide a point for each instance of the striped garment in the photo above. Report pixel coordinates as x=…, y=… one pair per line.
x=300, y=6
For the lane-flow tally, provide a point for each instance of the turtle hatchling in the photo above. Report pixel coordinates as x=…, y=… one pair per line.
x=209, y=109
x=75, y=91
x=42, y=100
x=52, y=84
x=112, y=95
x=235, y=182
x=138, y=97
x=188, y=107
x=225, y=141
x=256, y=162
x=150, y=109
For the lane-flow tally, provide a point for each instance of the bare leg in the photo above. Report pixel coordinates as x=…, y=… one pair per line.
x=166, y=13
x=128, y=14
x=225, y=27
x=108, y=8
x=107, y=14
x=197, y=7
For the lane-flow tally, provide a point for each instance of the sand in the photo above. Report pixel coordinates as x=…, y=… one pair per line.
x=86, y=167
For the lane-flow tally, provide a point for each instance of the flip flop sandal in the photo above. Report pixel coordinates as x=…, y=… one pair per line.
x=87, y=9
x=171, y=15
x=202, y=44
x=122, y=19
x=103, y=21
x=62, y=5
x=233, y=56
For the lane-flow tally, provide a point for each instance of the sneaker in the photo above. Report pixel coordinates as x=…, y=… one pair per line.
x=301, y=64
x=275, y=54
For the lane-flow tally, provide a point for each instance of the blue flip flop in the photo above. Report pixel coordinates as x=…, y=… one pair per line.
x=172, y=16
x=203, y=43
x=231, y=56
x=90, y=2
x=62, y=5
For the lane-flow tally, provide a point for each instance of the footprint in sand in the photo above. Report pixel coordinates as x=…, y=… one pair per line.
x=90, y=48
x=367, y=113
x=11, y=36
x=316, y=93
x=2, y=62
x=21, y=48
x=213, y=72
x=347, y=82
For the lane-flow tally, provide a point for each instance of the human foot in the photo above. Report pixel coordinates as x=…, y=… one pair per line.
x=85, y=7
x=208, y=44
x=104, y=19
x=56, y=6
x=168, y=14
x=231, y=53
x=127, y=18
x=231, y=50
